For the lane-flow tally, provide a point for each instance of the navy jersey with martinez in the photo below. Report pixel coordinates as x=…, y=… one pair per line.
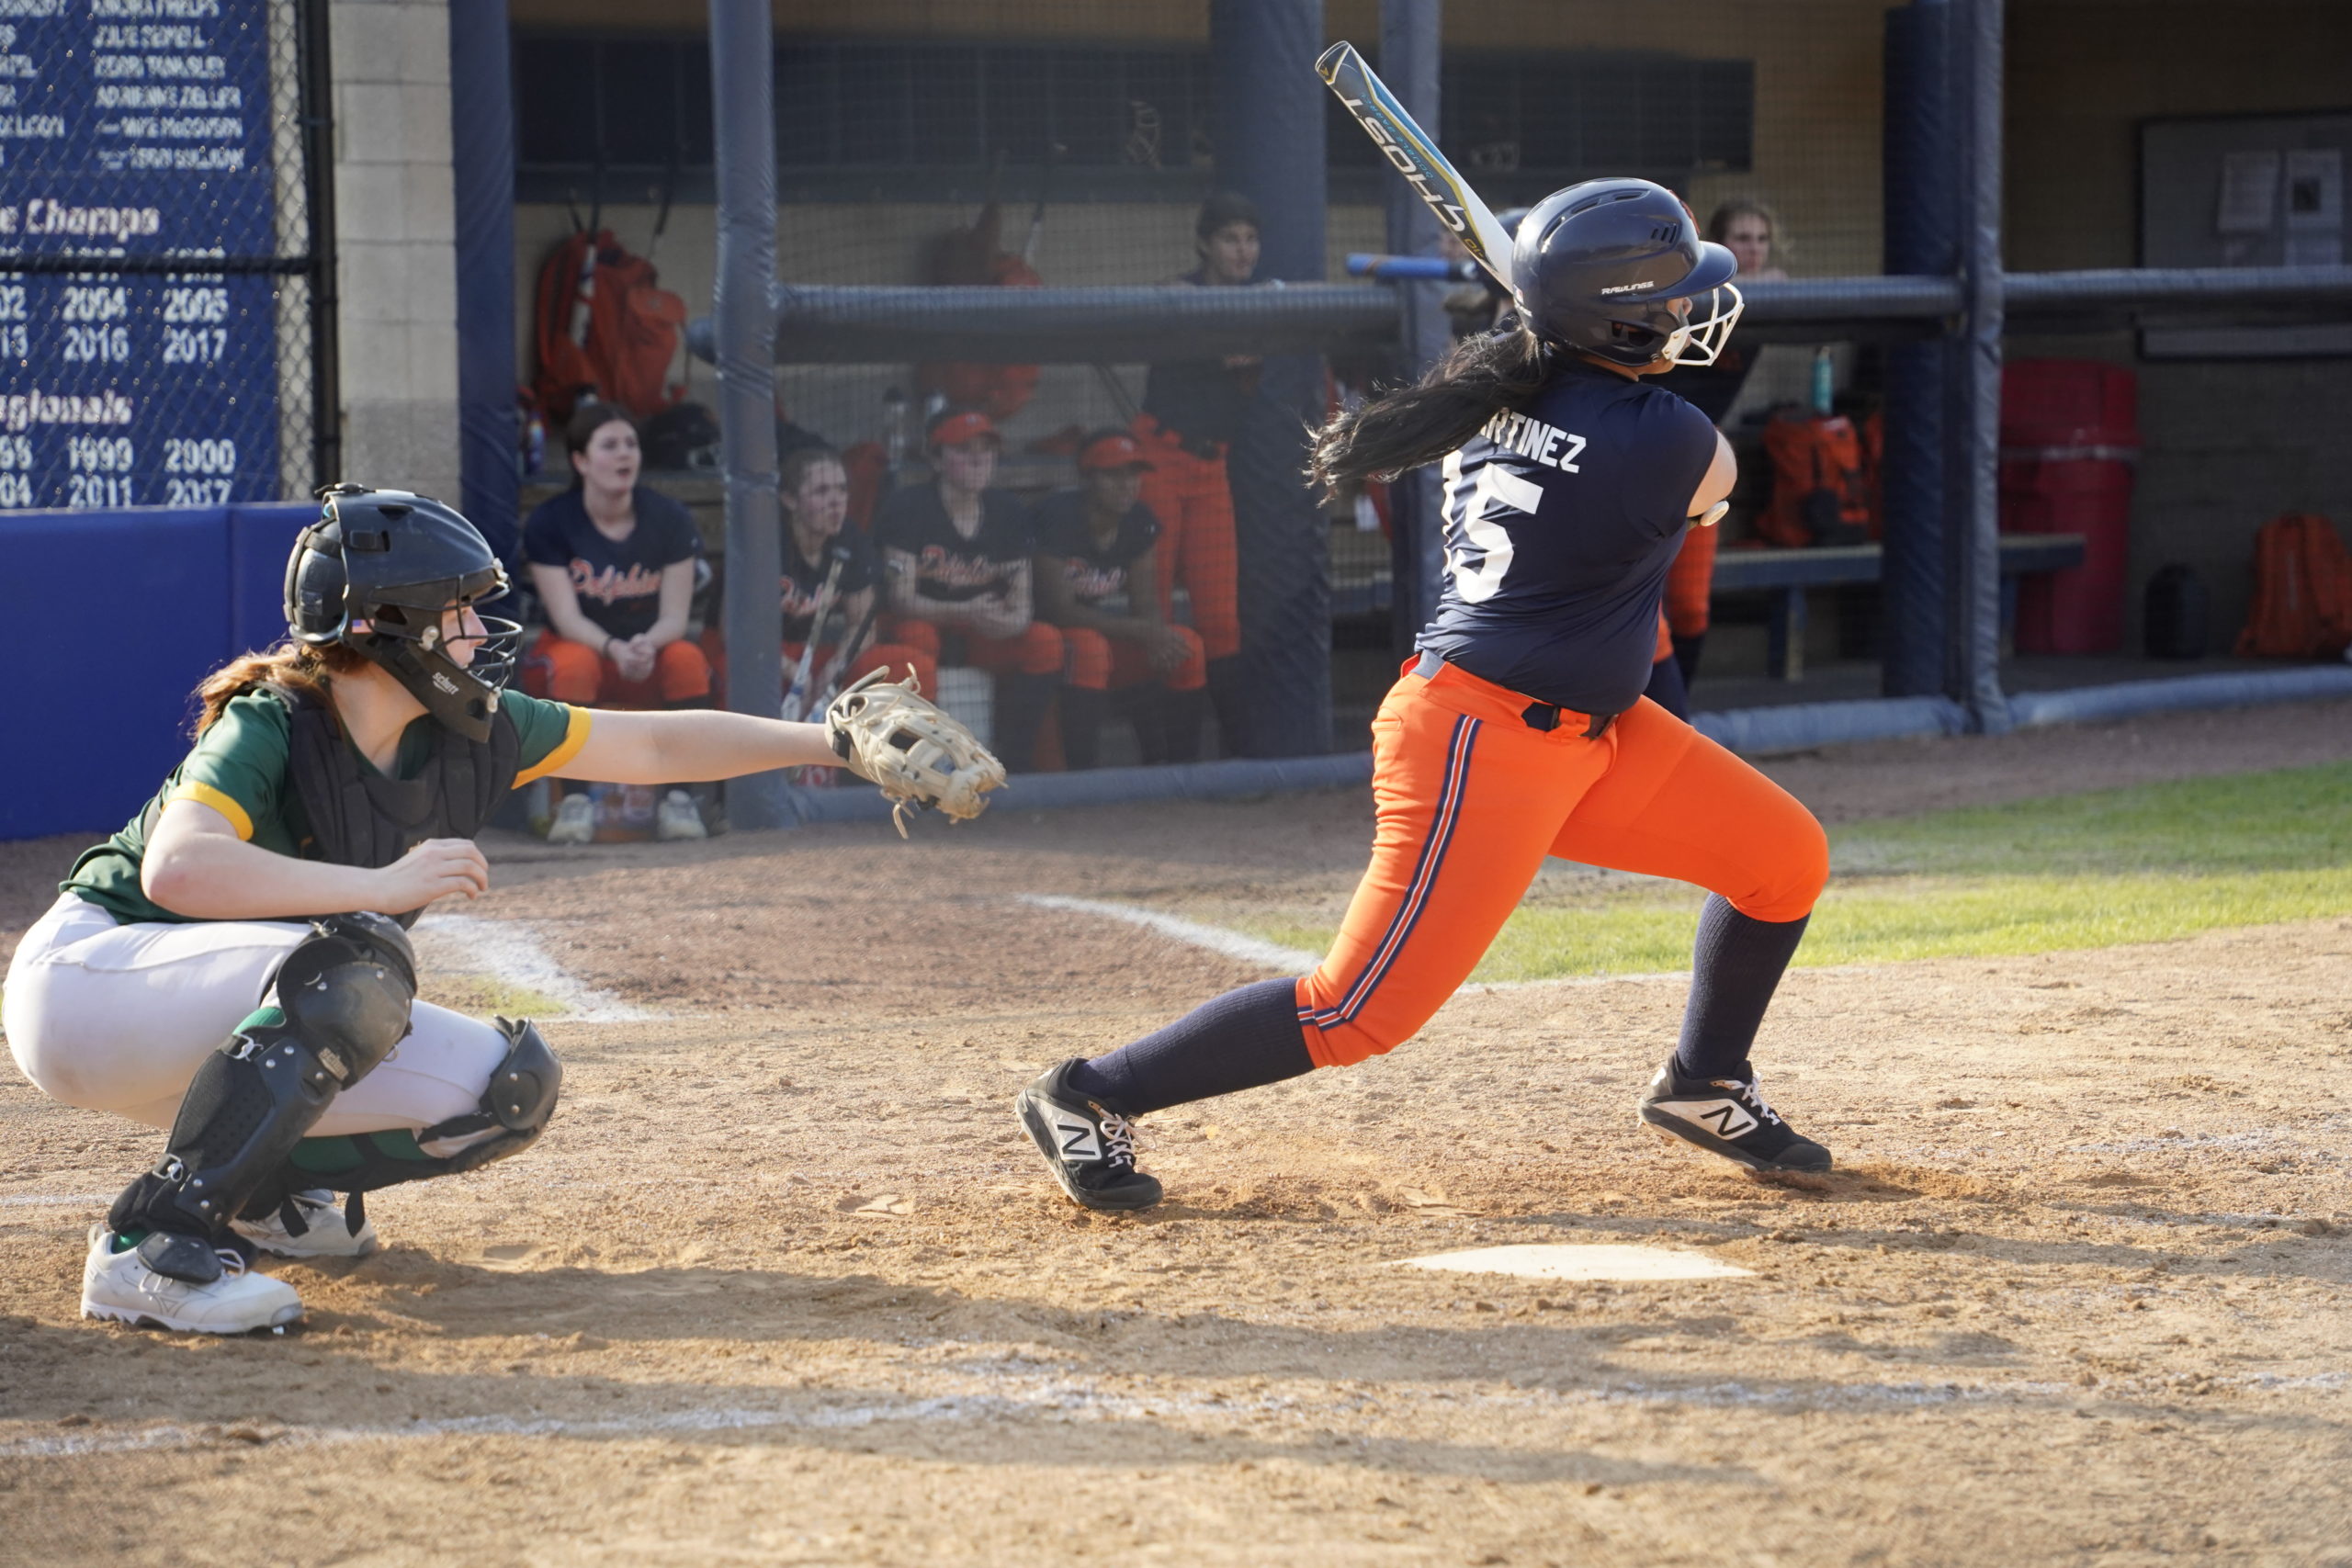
x=1561, y=521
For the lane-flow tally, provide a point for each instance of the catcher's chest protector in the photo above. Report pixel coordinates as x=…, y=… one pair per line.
x=360, y=818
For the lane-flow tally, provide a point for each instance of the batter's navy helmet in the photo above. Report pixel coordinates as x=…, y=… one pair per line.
x=1614, y=268
x=392, y=562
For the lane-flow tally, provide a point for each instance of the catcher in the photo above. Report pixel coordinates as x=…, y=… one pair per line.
x=234, y=964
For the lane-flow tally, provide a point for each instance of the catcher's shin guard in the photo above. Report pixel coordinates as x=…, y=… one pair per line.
x=515, y=1108
x=343, y=1000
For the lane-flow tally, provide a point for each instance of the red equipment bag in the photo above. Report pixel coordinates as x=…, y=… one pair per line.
x=1821, y=482
x=2302, y=590
x=605, y=328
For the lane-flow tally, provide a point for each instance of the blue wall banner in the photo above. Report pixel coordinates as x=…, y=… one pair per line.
x=134, y=132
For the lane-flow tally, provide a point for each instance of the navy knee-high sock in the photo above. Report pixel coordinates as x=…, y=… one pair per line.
x=1734, y=967
x=1242, y=1039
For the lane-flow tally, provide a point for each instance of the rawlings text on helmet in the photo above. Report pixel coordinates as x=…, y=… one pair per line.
x=378, y=572
x=1614, y=269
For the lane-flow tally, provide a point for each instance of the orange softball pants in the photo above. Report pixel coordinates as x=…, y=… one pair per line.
x=1034, y=649
x=1097, y=663
x=1190, y=496
x=1469, y=799
x=893, y=658
x=573, y=672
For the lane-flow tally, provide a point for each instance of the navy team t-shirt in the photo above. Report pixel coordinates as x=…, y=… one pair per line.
x=1094, y=570
x=949, y=567
x=1560, y=523
x=617, y=583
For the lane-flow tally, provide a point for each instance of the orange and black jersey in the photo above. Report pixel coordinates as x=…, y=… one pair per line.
x=1094, y=570
x=949, y=567
x=1560, y=523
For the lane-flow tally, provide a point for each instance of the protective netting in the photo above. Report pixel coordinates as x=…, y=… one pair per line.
x=157, y=275
x=1068, y=143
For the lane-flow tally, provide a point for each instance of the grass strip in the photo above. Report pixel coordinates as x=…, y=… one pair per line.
x=2147, y=863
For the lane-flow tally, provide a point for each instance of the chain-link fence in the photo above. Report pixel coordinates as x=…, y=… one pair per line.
x=165, y=302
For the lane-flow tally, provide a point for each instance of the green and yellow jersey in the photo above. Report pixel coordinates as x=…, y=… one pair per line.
x=239, y=769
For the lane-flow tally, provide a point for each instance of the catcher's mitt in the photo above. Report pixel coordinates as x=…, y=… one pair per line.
x=916, y=751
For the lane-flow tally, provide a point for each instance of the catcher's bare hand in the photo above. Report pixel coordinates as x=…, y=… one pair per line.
x=437, y=868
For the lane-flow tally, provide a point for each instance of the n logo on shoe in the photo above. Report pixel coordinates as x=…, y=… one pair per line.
x=1724, y=1116
x=1080, y=1142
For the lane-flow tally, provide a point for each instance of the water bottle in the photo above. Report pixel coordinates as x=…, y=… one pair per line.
x=1825, y=380
x=894, y=427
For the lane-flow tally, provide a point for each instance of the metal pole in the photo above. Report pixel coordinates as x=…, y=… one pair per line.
x=743, y=64
x=1972, y=409
x=1273, y=698
x=1410, y=58
x=1921, y=207
x=482, y=114
x=317, y=109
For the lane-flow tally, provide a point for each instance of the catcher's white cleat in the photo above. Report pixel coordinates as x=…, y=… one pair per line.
x=325, y=1233
x=118, y=1285
x=575, y=821
x=676, y=818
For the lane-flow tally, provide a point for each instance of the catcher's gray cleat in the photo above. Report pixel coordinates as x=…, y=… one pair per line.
x=325, y=1233
x=1089, y=1146
x=1727, y=1117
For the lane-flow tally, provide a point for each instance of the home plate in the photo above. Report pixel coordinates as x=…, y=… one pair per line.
x=1595, y=1262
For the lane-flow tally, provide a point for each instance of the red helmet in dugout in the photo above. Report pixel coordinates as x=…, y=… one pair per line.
x=1615, y=268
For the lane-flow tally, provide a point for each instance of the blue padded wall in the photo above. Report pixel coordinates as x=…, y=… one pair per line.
x=107, y=621
x=260, y=538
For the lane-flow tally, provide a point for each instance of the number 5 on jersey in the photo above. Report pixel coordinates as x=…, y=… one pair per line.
x=1477, y=548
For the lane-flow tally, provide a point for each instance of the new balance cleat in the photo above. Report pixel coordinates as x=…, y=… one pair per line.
x=1089, y=1146
x=1727, y=1117
x=325, y=1232
x=120, y=1285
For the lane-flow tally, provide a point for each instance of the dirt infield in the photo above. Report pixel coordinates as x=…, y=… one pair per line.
x=784, y=1285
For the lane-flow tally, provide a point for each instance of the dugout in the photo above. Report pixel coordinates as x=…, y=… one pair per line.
x=1798, y=103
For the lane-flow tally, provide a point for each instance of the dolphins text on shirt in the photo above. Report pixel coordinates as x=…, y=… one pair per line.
x=1535, y=440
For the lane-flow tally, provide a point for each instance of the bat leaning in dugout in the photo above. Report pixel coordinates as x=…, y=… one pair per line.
x=233, y=967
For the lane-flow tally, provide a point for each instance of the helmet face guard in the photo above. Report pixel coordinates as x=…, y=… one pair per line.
x=378, y=573
x=1700, y=341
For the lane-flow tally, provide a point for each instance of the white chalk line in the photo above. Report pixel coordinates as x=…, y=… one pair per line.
x=31, y=1200
x=509, y=950
x=1020, y=1393
x=1216, y=939
x=1272, y=955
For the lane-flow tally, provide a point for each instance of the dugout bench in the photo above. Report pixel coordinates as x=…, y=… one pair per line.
x=1787, y=574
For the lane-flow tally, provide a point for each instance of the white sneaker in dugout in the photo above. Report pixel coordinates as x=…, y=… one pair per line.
x=575, y=821
x=326, y=1233
x=118, y=1285
x=676, y=818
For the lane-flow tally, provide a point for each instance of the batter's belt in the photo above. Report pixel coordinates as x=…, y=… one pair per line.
x=1500, y=701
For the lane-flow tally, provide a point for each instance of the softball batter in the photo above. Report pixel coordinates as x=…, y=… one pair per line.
x=214, y=968
x=1520, y=731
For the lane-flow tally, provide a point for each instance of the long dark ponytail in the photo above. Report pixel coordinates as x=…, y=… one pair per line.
x=1411, y=425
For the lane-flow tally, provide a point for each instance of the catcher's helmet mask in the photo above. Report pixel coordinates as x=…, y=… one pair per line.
x=376, y=571
x=1613, y=268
